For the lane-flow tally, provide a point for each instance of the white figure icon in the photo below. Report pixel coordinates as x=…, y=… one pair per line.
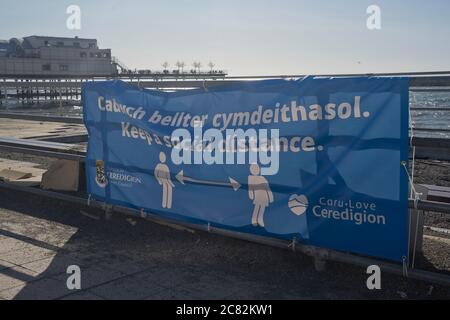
x=162, y=174
x=258, y=191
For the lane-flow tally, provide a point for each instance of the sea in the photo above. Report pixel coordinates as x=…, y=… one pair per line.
x=430, y=111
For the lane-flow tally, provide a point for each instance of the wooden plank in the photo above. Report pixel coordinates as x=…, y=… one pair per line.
x=42, y=145
x=11, y=174
x=32, y=174
x=438, y=193
x=439, y=196
x=436, y=188
x=35, y=117
x=28, y=129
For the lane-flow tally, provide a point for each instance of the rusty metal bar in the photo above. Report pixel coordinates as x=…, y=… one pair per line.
x=36, y=117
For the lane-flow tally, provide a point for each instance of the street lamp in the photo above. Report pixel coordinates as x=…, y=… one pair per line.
x=182, y=64
x=211, y=66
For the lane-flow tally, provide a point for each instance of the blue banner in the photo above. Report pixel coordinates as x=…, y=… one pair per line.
x=318, y=160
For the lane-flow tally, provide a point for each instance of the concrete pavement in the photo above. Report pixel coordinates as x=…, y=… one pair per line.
x=40, y=238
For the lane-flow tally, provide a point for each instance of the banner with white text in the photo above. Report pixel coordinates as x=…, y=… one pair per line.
x=318, y=160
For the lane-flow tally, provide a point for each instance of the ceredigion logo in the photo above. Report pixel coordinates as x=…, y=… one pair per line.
x=100, y=176
x=298, y=204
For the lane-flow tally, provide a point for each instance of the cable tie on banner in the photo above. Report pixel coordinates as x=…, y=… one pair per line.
x=293, y=243
x=205, y=86
x=405, y=267
x=140, y=85
x=143, y=214
x=209, y=227
x=89, y=201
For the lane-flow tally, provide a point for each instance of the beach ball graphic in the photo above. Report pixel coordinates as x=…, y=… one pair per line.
x=298, y=204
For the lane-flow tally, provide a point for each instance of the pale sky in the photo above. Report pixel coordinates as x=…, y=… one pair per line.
x=251, y=37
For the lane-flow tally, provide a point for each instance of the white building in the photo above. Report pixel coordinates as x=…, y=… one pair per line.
x=37, y=56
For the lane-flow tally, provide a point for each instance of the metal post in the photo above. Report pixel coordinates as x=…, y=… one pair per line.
x=16, y=90
x=60, y=101
x=38, y=93
x=45, y=91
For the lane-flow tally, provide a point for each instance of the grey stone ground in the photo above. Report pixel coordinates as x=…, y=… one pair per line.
x=40, y=238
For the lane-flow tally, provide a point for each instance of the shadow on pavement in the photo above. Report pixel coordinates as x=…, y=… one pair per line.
x=40, y=238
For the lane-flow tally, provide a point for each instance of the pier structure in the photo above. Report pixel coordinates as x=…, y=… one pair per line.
x=35, y=90
x=30, y=91
x=39, y=89
x=42, y=69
